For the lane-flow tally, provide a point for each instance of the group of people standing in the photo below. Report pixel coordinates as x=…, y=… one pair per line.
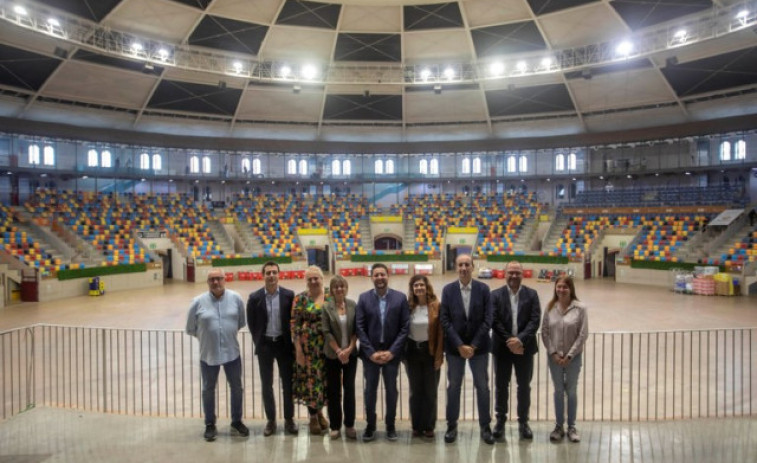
x=314, y=337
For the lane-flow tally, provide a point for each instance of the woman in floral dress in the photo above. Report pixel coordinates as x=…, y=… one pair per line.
x=309, y=386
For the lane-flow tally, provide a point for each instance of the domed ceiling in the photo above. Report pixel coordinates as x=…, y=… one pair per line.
x=377, y=69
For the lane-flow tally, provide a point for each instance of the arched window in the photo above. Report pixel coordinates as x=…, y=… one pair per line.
x=257, y=167
x=157, y=162
x=559, y=162
x=466, y=165
x=92, y=158
x=144, y=161
x=291, y=167
x=434, y=167
x=378, y=166
x=477, y=165
x=194, y=165
x=725, y=151
x=423, y=167
x=34, y=154
x=346, y=167
x=572, y=161
x=390, y=166
x=106, y=159
x=336, y=167
x=303, y=167
x=523, y=164
x=739, y=150
x=245, y=165
x=206, y=164
x=511, y=164
x=48, y=156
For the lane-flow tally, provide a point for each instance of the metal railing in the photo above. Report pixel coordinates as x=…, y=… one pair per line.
x=625, y=376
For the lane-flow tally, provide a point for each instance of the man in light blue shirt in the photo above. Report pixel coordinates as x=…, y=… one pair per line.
x=214, y=319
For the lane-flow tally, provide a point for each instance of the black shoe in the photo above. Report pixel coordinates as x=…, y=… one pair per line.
x=290, y=427
x=270, y=428
x=499, y=430
x=239, y=427
x=451, y=435
x=486, y=435
x=210, y=432
x=369, y=434
x=525, y=431
x=391, y=434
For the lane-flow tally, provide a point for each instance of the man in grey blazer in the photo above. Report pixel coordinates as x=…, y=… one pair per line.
x=383, y=323
x=466, y=316
x=517, y=313
x=269, y=310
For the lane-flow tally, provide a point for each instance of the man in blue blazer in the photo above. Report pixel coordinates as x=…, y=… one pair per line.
x=517, y=313
x=382, y=321
x=269, y=310
x=466, y=316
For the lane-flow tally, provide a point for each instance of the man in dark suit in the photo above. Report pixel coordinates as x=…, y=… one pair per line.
x=517, y=313
x=382, y=321
x=269, y=310
x=466, y=316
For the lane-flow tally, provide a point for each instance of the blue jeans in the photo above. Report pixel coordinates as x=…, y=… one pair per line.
x=565, y=381
x=233, y=371
x=479, y=365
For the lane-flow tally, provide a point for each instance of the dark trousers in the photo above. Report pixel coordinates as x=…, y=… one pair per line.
x=371, y=373
x=267, y=352
x=233, y=372
x=424, y=383
x=341, y=377
x=504, y=362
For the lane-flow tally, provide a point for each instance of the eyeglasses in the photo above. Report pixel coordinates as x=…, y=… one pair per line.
x=215, y=279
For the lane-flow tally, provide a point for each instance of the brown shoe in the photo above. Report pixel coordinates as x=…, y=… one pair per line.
x=351, y=433
x=315, y=426
x=270, y=428
x=290, y=427
x=323, y=422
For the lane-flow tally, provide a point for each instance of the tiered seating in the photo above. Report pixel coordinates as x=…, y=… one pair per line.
x=662, y=236
x=18, y=244
x=740, y=252
x=658, y=240
x=499, y=219
x=669, y=196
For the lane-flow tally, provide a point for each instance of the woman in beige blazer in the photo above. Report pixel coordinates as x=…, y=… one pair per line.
x=341, y=357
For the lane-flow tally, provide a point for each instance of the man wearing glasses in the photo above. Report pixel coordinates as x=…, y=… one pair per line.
x=214, y=319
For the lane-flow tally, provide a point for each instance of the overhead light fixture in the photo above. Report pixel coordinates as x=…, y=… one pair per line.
x=497, y=68
x=425, y=74
x=624, y=48
x=546, y=62
x=285, y=71
x=449, y=73
x=741, y=16
x=680, y=35
x=20, y=10
x=136, y=47
x=148, y=68
x=53, y=22
x=521, y=66
x=586, y=74
x=163, y=54
x=438, y=89
x=237, y=66
x=296, y=89
x=60, y=52
x=671, y=61
x=309, y=72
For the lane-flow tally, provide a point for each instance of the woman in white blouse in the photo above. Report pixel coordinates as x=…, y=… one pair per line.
x=423, y=355
x=338, y=325
x=564, y=329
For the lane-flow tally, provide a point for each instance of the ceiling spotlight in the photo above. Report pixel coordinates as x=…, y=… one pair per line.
x=601, y=177
x=497, y=68
x=136, y=47
x=546, y=63
x=629, y=176
x=309, y=72
x=624, y=48
x=20, y=10
x=449, y=73
x=425, y=74
x=521, y=66
x=741, y=15
x=53, y=22
x=285, y=71
x=680, y=34
x=237, y=66
x=688, y=173
x=163, y=54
